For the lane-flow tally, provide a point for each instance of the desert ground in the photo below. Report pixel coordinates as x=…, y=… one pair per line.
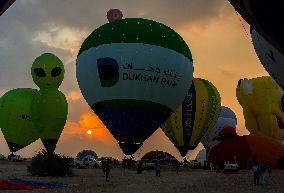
x=124, y=181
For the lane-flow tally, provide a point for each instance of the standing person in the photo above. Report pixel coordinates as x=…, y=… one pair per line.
x=124, y=163
x=255, y=170
x=104, y=166
x=107, y=171
x=139, y=167
x=158, y=169
x=177, y=165
x=269, y=168
x=262, y=169
x=211, y=166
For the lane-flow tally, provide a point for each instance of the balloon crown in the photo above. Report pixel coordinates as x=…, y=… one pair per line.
x=137, y=30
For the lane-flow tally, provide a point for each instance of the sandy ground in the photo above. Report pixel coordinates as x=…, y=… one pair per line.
x=195, y=181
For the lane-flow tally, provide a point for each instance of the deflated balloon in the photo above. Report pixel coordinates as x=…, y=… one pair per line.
x=266, y=17
x=134, y=73
x=15, y=118
x=193, y=119
x=263, y=104
x=271, y=58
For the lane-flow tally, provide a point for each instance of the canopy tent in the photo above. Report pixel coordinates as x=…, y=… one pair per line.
x=158, y=155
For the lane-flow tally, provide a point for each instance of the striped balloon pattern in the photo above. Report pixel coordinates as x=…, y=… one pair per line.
x=194, y=117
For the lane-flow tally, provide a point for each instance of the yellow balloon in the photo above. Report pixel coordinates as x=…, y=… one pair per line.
x=196, y=115
x=263, y=103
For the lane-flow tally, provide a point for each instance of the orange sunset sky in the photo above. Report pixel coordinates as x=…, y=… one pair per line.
x=221, y=49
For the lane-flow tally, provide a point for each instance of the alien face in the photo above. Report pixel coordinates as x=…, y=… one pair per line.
x=47, y=71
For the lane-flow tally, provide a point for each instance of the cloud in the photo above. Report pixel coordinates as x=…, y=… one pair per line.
x=74, y=95
x=89, y=121
x=74, y=137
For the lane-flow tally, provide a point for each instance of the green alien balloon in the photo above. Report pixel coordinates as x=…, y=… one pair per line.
x=50, y=107
x=15, y=118
x=28, y=114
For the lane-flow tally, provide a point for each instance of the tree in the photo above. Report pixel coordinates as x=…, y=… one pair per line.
x=85, y=153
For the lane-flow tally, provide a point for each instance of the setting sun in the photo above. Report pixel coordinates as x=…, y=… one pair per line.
x=89, y=132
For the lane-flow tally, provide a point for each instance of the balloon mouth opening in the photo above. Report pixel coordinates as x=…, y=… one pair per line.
x=280, y=122
x=129, y=148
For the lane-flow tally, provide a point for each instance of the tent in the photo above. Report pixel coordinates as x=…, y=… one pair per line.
x=158, y=155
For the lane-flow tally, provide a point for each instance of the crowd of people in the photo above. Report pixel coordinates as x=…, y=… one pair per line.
x=259, y=169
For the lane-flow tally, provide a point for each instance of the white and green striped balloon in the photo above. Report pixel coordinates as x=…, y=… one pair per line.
x=134, y=73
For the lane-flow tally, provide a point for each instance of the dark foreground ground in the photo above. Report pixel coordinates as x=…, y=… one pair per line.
x=195, y=181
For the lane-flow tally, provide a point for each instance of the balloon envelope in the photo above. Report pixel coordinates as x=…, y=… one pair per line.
x=226, y=112
x=263, y=107
x=209, y=140
x=247, y=148
x=266, y=17
x=5, y=4
x=15, y=118
x=134, y=73
x=197, y=114
x=271, y=59
x=49, y=113
x=227, y=118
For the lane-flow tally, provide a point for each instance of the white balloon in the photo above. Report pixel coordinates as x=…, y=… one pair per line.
x=226, y=118
x=221, y=123
x=226, y=112
x=271, y=59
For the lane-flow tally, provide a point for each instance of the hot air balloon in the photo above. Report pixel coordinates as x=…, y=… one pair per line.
x=27, y=114
x=50, y=107
x=193, y=119
x=134, y=73
x=15, y=118
x=247, y=148
x=226, y=112
x=227, y=118
x=5, y=4
x=263, y=104
x=271, y=59
x=265, y=17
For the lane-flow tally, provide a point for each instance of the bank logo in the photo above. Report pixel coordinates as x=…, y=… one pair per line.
x=108, y=71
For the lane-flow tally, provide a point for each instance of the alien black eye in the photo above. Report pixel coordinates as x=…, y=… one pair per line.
x=39, y=72
x=56, y=71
